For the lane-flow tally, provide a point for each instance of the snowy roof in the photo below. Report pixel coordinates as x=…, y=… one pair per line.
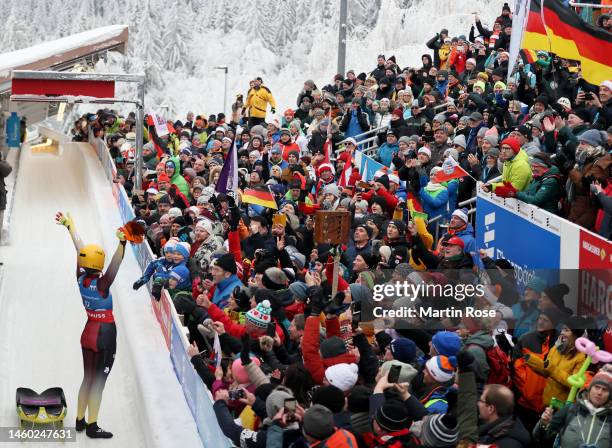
x=48, y=54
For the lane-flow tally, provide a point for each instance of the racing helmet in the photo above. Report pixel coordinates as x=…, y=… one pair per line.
x=92, y=257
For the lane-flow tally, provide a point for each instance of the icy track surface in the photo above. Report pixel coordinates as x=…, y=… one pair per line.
x=42, y=317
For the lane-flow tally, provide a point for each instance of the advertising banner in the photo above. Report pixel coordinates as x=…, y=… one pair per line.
x=531, y=248
x=595, y=284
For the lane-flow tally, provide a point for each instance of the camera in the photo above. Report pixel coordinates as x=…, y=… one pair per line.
x=236, y=394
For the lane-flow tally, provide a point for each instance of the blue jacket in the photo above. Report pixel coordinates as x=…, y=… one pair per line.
x=437, y=404
x=385, y=153
x=525, y=319
x=453, y=188
x=158, y=269
x=224, y=289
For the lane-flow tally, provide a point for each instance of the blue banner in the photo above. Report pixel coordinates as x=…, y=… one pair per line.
x=531, y=248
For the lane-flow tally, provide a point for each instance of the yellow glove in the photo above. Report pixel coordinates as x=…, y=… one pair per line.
x=64, y=220
x=120, y=235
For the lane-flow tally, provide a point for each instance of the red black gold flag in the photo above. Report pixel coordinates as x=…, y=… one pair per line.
x=553, y=27
x=258, y=196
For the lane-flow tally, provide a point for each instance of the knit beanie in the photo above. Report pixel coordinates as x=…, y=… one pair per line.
x=183, y=249
x=461, y=213
x=556, y=294
x=343, y=376
x=227, y=263
x=275, y=279
x=441, y=368
x=434, y=433
x=318, y=422
x=392, y=416
x=537, y=284
x=329, y=396
x=403, y=349
x=447, y=343
x=359, y=399
x=513, y=143
x=603, y=378
x=260, y=315
x=332, y=347
x=407, y=371
x=276, y=400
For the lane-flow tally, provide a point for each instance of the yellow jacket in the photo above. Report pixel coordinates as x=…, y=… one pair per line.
x=557, y=370
x=257, y=101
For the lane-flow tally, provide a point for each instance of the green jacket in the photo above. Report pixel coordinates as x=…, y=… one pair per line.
x=484, y=341
x=517, y=171
x=577, y=424
x=178, y=180
x=544, y=192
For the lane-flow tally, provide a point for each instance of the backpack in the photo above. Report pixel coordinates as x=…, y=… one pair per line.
x=499, y=365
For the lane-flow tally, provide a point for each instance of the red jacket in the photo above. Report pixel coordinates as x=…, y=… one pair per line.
x=231, y=327
x=310, y=348
x=382, y=191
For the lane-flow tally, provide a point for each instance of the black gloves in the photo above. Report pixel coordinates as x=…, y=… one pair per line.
x=234, y=214
x=465, y=361
x=156, y=290
x=245, y=353
x=138, y=283
x=336, y=305
x=315, y=300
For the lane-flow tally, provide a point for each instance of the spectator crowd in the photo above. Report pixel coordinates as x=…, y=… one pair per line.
x=300, y=366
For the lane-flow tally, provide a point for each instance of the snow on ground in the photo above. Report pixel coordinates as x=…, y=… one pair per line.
x=41, y=314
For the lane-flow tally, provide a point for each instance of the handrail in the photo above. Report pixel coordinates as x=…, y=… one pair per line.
x=371, y=131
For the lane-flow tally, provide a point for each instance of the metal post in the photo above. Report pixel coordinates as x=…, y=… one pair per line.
x=225, y=95
x=139, y=133
x=342, y=36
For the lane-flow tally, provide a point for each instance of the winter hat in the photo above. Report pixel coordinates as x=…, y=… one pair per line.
x=441, y=368
x=435, y=433
x=577, y=324
x=493, y=152
x=332, y=189
x=325, y=167
x=542, y=100
x=359, y=399
x=163, y=177
x=424, y=150
x=329, y=396
x=226, y=262
x=461, y=213
x=537, y=284
x=181, y=274
x=403, y=349
x=441, y=118
x=581, y=113
x=318, y=422
x=499, y=85
x=603, y=378
x=183, y=248
x=360, y=293
x=384, y=180
x=239, y=372
x=398, y=112
x=380, y=200
x=343, y=376
x=400, y=225
x=565, y=102
x=460, y=140
x=492, y=140
x=555, y=314
x=607, y=83
x=556, y=294
x=332, y=347
x=482, y=131
x=299, y=290
x=260, y=315
x=446, y=343
x=366, y=228
x=169, y=247
x=275, y=279
x=407, y=371
x=513, y=142
x=175, y=212
x=276, y=400
x=471, y=61
x=392, y=416
x=481, y=85
x=592, y=137
x=205, y=224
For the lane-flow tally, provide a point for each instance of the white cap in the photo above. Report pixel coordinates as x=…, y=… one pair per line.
x=175, y=212
x=424, y=150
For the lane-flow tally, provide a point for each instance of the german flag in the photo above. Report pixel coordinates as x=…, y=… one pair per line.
x=528, y=56
x=259, y=196
x=553, y=27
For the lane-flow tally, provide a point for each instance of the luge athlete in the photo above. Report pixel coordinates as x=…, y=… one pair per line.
x=99, y=337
